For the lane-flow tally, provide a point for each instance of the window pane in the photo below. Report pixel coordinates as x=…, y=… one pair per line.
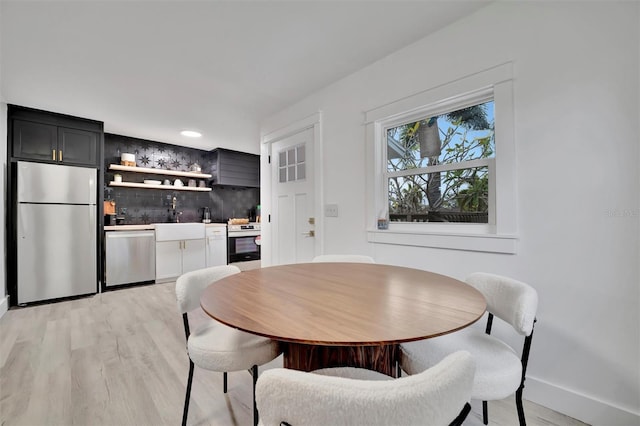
x=300, y=152
x=282, y=175
x=301, y=171
x=291, y=173
x=291, y=156
x=461, y=135
x=282, y=159
x=450, y=196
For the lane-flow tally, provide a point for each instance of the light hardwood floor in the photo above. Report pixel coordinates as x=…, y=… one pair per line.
x=119, y=358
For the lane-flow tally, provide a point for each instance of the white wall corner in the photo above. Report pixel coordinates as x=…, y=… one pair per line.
x=582, y=407
x=4, y=305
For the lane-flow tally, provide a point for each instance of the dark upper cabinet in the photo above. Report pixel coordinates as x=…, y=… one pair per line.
x=35, y=141
x=54, y=138
x=77, y=146
x=235, y=168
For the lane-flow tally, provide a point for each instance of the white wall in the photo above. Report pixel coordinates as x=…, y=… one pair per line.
x=4, y=302
x=3, y=198
x=576, y=85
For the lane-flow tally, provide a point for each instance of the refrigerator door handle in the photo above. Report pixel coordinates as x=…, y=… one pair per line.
x=92, y=190
x=92, y=223
x=21, y=219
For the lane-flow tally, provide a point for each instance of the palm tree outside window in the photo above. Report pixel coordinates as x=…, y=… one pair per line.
x=437, y=167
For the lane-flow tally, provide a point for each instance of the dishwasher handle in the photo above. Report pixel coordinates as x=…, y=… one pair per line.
x=131, y=234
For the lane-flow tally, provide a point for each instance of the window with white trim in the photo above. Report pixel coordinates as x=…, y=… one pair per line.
x=439, y=167
x=444, y=166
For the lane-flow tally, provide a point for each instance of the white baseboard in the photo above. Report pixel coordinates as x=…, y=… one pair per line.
x=582, y=407
x=4, y=305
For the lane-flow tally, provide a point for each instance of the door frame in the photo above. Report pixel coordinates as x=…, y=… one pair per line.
x=313, y=121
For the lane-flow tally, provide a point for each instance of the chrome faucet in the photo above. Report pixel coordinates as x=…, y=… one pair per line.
x=174, y=203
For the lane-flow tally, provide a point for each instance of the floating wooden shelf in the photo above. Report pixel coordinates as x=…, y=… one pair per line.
x=159, y=172
x=147, y=186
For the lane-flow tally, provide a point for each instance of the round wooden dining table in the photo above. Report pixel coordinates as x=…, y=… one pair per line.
x=343, y=314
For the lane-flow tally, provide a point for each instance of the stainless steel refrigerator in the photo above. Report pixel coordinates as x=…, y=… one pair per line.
x=56, y=231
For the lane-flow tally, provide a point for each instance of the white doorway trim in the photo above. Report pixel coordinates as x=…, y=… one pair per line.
x=313, y=121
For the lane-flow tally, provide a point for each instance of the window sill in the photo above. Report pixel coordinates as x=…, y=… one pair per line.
x=489, y=243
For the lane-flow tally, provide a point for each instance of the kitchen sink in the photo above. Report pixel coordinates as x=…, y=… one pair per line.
x=179, y=231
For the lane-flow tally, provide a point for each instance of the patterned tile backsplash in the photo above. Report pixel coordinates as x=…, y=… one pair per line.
x=143, y=206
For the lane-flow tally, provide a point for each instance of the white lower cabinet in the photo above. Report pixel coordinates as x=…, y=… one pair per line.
x=193, y=255
x=174, y=258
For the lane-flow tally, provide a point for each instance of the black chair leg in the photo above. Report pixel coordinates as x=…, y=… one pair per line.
x=187, y=397
x=463, y=415
x=485, y=413
x=224, y=382
x=521, y=418
x=254, y=374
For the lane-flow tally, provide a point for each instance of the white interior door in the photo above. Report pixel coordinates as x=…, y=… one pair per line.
x=293, y=199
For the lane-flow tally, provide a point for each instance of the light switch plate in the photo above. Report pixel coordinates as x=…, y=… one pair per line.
x=331, y=210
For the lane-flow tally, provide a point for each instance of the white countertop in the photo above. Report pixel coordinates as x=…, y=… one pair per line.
x=148, y=227
x=207, y=225
x=128, y=227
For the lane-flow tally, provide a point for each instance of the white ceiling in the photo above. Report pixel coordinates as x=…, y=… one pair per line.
x=149, y=69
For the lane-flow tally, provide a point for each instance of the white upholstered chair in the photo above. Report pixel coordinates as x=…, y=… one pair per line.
x=353, y=258
x=499, y=370
x=214, y=346
x=434, y=397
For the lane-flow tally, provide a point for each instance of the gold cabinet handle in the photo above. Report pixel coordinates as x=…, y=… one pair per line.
x=53, y=154
x=60, y=154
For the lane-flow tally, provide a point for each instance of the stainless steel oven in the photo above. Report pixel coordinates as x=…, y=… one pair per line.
x=243, y=242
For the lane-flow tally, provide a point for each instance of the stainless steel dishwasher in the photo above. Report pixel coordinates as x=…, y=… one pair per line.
x=130, y=257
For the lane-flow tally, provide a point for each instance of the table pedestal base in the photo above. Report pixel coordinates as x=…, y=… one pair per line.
x=382, y=358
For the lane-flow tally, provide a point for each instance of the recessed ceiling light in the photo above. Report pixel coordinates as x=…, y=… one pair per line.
x=191, y=133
